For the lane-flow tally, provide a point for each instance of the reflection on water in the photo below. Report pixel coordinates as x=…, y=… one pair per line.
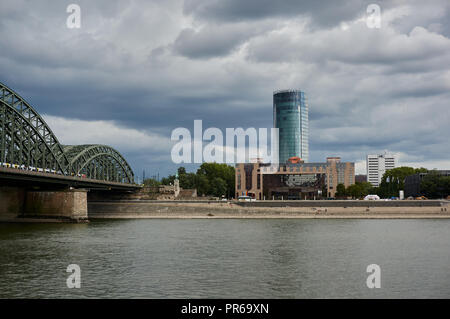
x=266, y=258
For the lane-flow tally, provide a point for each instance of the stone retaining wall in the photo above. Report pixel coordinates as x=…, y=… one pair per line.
x=158, y=209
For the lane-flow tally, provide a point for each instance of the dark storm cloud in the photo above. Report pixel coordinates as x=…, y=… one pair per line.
x=217, y=40
x=207, y=44
x=234, y=10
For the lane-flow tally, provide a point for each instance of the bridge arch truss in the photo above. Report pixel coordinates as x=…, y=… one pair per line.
x=99, y=162
x=26, y=140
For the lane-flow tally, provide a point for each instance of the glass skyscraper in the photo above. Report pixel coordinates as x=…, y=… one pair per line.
x=290, y=116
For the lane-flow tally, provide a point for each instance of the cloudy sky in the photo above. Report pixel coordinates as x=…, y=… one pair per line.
x=136, y=70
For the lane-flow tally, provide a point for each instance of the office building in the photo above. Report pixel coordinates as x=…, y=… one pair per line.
x=377, y=165
x=294, y=179
x=290, y=116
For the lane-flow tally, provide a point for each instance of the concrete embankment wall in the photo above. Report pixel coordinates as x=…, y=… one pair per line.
x=214, y=209
x=344, y=203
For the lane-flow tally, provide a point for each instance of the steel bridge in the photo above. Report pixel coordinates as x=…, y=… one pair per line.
x=28, y=144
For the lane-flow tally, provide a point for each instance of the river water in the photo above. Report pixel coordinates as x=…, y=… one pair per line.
x=227, y=258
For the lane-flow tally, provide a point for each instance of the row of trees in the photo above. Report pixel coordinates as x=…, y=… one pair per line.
x=210, y=179
x=432, y=185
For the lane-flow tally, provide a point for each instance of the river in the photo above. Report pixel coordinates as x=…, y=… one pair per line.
x=227, y=258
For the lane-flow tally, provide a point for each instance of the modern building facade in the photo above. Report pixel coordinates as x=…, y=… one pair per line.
x=290, y=116
x=377, y=165
x=294, y=179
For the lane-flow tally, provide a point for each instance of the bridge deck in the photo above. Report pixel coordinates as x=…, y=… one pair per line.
x=14, y=174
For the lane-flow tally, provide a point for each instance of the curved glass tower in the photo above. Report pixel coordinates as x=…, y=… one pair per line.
x=290, y=116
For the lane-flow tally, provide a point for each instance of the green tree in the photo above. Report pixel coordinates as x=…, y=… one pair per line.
x=188, y=180
x=210, y=179
x=168, y=180
x=218, y=187
x=202, y=185
x=181, y=171
x=223, y=171
x=340, y=190
x=359, y=190
x=445, y=180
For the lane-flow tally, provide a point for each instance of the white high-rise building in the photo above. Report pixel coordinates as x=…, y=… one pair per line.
x=377, y=165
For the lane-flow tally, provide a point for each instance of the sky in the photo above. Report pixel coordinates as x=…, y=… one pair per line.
x=136, y=70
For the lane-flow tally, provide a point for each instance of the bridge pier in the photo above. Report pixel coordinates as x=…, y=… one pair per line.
x=18, y=204
x=12, y=200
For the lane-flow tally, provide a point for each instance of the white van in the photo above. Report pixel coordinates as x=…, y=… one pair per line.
x=246, y=199
x=372, y=197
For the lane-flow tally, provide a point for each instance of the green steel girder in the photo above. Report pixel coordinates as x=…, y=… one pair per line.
x=25, y=139
x=25, y=124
